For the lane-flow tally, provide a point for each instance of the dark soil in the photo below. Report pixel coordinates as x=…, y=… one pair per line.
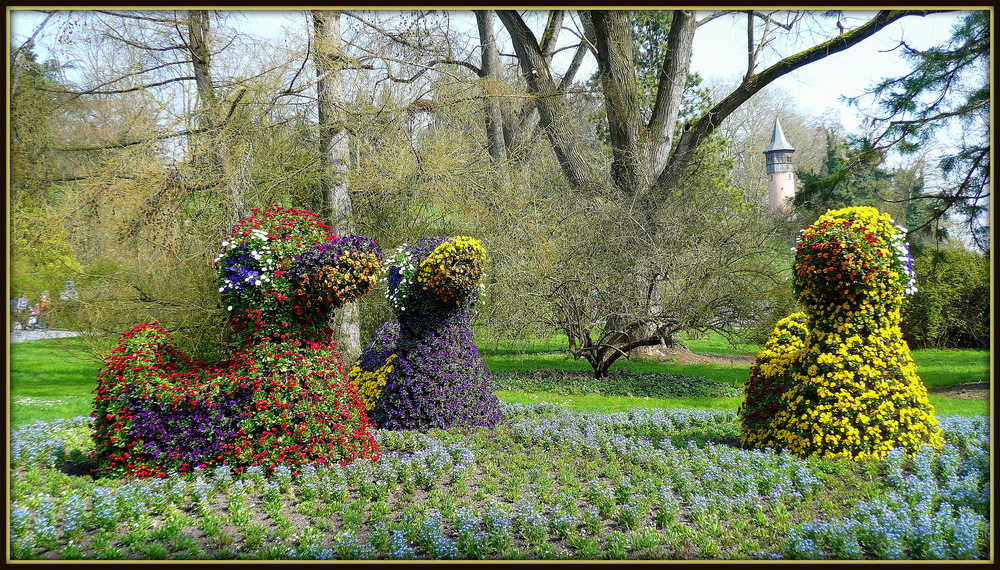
x=967, y=391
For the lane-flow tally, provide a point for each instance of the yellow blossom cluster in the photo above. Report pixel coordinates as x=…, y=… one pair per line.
x=370, y=384
x=769, y=375
x=849, y=388
x=453, y=269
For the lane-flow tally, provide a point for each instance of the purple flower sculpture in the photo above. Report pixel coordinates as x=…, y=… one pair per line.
x=423, y=370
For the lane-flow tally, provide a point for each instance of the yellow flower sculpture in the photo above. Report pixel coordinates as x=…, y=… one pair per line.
x=848, y=386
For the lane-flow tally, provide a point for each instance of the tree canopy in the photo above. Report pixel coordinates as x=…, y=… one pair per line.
x=946, y=95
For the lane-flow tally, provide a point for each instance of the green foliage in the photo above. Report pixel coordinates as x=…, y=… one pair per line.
x=947, y=88
x=34, y=112
x=618, y=383
x=854, y=174
x=41, y=255
x=951, y=308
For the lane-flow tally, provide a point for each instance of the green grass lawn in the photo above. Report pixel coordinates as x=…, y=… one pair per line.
x=54, y=378
x=51, y=379
x=553, y=482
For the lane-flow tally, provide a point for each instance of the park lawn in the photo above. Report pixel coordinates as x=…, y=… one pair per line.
x=936, y=368
x=54, y=378
x=947, y=367
x=50, y=379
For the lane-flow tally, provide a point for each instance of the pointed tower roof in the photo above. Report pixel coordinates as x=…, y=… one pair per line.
x=778, y=141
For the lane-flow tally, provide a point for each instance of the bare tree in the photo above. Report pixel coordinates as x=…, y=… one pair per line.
x=647, y=156
x=651, y=166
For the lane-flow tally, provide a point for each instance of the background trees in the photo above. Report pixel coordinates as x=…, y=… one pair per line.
x=948, y=89
x=951, y=308
x=620, y=210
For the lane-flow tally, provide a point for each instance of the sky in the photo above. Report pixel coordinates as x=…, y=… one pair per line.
x=719, y=55
x=720, y=48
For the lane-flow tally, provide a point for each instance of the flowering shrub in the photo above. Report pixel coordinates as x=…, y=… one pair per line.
x=848, y=386
x=281, y=399
x=423, y=371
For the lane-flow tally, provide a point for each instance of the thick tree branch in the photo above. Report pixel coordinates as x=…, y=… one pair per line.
x=670, y=88
x=694, y=133
x=97, y=91
x=553, y=115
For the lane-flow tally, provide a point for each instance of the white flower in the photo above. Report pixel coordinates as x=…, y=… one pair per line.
x=229, y=308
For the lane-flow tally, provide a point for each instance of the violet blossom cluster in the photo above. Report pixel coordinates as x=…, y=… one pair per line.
x=434, y=375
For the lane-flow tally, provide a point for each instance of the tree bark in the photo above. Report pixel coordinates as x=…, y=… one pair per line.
x=328, y=58
x=553, y=115
x=490, y=73
x=666, y=157
x=670, y=88
x=629, y=147
x=199, y=26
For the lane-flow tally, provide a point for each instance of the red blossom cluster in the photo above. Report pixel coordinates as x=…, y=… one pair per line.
x=282, y=398
x=284, y=403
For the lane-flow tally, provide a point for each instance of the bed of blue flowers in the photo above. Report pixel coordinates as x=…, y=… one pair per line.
x=549, y=483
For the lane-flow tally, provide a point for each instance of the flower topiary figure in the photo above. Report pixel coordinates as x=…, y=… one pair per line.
x=282, y=398
x=423, y=371
x=838, y=379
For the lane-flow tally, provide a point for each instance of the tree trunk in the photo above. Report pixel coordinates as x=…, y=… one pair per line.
x=199, y=26
x=553, y=115
x=328, y=58
x=490, y=74
x=613, y=29
x=670, y=88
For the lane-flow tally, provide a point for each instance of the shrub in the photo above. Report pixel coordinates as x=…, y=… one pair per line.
x=618, y=383
x=851, y=388
x=952, y=307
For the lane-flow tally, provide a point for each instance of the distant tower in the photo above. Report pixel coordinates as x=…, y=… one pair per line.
x=780, y=171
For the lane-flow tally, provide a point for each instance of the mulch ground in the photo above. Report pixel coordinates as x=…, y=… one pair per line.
x=967, y=391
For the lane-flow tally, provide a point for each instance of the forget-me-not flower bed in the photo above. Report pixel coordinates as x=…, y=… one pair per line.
x=548, y=483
